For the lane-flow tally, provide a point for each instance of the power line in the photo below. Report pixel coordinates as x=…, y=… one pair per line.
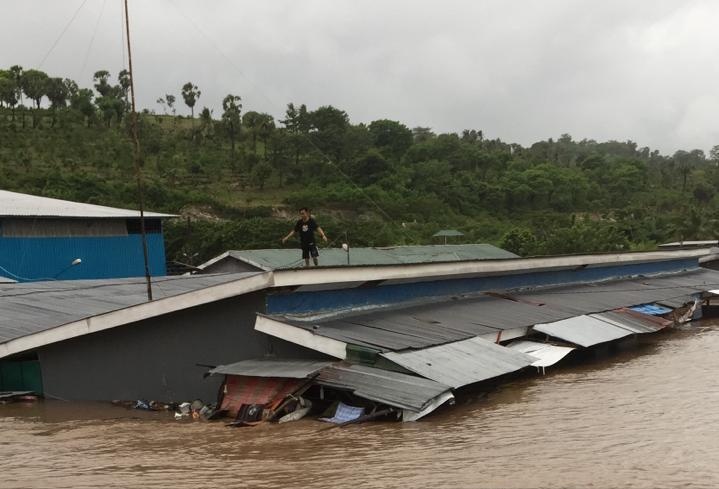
x=92, y=39
x=67, y=26
x=277, y=107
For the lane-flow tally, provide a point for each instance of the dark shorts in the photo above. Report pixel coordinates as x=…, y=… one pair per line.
x=308, y=250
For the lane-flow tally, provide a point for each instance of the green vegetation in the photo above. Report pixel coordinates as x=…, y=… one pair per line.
x=237, y=179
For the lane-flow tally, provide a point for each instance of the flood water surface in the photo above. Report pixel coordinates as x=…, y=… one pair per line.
x=644, y=417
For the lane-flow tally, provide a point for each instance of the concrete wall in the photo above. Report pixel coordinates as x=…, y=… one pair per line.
x=155, y=358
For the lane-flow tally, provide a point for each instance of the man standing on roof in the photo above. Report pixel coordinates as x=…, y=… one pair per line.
x=306, y=227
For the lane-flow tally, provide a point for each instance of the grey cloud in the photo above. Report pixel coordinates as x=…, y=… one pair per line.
x=519, y=70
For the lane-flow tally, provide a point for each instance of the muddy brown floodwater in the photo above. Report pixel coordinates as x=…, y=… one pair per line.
x=647, y=416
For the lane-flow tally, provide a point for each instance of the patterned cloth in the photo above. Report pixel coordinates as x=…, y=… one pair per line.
x=344, y=413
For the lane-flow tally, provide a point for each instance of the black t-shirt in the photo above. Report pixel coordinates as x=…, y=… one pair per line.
x=306, y=230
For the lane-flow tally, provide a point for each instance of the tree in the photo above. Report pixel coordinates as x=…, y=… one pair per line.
x=9, y=93
x=297, y=122
x=206, y=123
x=162, y=103
x=123, y=78
x=260, y=173
x=34, y=85
x=714, y=154
x=190, y=93
x=252, y=120
x=422, y=134
x=231, y=108
x=17, y=72
x=170, y=100
x=57, y=93
x=390, y=137
x=102, y=83
x=265, y=130
x=329, y=126
x=81, y=101
x=520, y=241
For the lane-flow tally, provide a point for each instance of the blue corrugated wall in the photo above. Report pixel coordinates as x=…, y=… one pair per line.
x=102, y=257
x=317, y=301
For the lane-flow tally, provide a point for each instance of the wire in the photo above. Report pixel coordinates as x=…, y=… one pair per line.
x=67, y=26
x=92, y=39
x=277, y=107
x=122, y=33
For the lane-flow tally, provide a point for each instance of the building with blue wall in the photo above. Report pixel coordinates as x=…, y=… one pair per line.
x=51, y=239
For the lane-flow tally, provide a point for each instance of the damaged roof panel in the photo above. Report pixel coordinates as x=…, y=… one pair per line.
x=635, y=322
x=294, y=369
x=462, y=362
x=391, y=388
x=545, y=353
x=583, y=330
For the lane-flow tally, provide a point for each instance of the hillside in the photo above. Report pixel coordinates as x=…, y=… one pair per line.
x=236, y=180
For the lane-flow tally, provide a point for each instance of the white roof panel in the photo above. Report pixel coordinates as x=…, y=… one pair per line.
x=545, y=353
x=13, y=204
x=583, y=330
x=461, y=362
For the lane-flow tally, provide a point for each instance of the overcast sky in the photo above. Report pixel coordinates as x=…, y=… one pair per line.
x=522, y=71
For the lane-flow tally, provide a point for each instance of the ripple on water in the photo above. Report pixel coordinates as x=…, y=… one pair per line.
x=641, y=418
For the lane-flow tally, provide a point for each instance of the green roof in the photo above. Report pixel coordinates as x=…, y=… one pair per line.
x=331, y=257
x=447, y=233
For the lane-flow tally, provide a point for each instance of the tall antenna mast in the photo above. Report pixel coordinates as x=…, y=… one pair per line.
x=136, y=144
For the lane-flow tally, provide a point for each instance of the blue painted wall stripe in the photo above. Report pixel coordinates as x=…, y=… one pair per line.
x=306, y=302
x=102, y=257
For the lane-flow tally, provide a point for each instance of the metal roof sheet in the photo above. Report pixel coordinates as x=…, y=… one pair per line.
x=448, y=233
x=545, y=353
x=428, y=324
x=277, y=259
x=32, y=307
x=23, y=205
x=583, y=330
x=635, y=322
x=293, y=369
x=392, y=388
x=416, y=326
x=605, y=296
x=462, y=362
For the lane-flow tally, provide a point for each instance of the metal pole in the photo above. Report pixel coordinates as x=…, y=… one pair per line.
x=136, y=145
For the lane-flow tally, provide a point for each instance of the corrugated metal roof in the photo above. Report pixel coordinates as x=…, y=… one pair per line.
x=423, y=325
x=418, y=326
x=462, y=362
x=294, y=369
x=634, y=322
x=545, y=353
x=32, y=307
x=391, y=388
x=447, y=233
x=580, y=299
x=278, y=259
x=24, y=205
x=583, y=330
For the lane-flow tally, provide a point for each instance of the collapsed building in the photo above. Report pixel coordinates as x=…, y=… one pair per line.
x=403, y=334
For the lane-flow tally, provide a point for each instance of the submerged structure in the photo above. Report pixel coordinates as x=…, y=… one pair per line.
x=401, y=336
